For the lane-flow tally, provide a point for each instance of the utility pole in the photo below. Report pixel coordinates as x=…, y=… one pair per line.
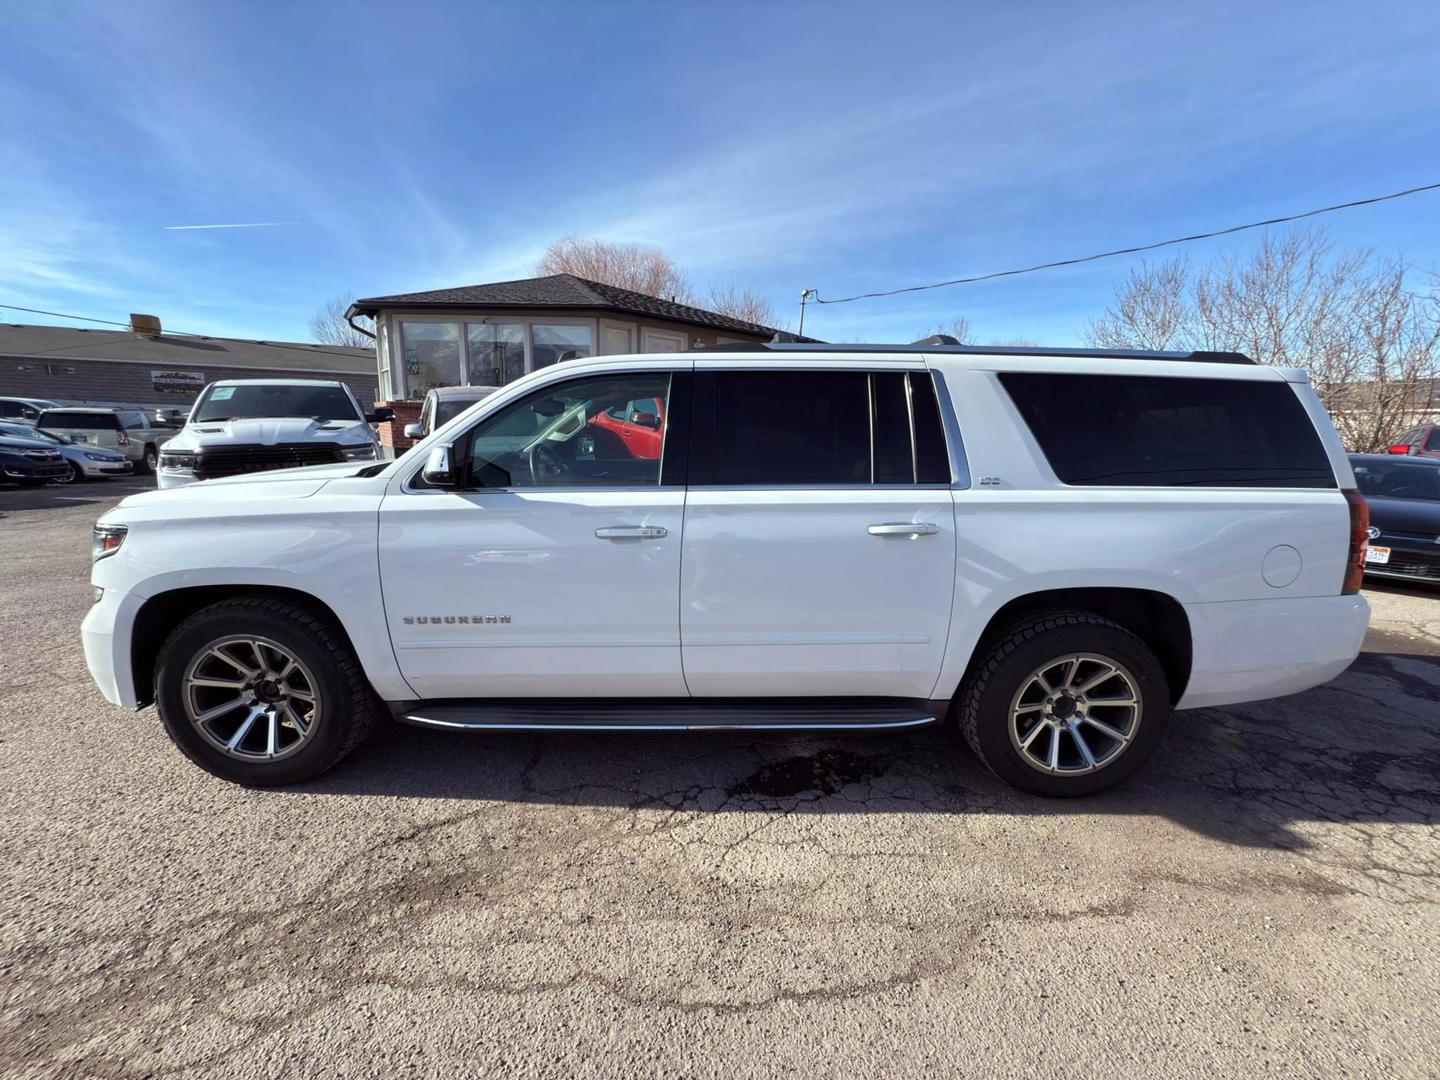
x=806, y=294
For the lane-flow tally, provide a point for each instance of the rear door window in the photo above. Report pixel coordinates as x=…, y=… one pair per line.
x=1433, y=442
x=1149, y=431
x=804, y=428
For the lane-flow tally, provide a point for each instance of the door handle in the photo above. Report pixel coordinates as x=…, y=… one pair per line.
x=904, y=528
x=632, y=532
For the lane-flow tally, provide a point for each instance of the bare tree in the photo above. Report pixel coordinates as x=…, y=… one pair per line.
x=329, y=327
x=1370, y=345
x=628, y=266
x=958, y=328
x=741, y=303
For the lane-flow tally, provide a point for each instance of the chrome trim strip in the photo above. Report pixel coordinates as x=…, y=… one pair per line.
x=627, y=725
x=959, y=465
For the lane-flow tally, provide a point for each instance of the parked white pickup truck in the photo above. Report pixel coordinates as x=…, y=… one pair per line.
x=256, y=425
x=1055, y=548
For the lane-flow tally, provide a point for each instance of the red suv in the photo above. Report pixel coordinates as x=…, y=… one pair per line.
x=1422, y=441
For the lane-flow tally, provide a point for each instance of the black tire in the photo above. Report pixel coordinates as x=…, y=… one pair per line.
x=1003, y=665
x=77, y=475
x=350, y=709
x=148, y=462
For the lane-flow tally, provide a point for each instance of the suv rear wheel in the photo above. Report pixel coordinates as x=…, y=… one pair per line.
x=262, y=692
x=1064, y=703
x=149, y=460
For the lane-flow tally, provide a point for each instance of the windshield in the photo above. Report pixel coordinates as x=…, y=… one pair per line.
x=258, y=400
x=1397, y=480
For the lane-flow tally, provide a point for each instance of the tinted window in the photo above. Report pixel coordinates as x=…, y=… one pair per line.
x=894, y=461
x=1433, y=443
x=257, y=400
x=550, y=438
x=1399, y=479
x=932, y=459
x=447, y=410
x=92, y=421
x=1156, y=431
x=791, y=427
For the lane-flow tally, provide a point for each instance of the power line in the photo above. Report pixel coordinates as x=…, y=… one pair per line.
x=310, y=350
x=1137, y=248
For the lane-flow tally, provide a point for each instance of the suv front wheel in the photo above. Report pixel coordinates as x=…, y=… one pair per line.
x=1064, y=703
x=262, y=692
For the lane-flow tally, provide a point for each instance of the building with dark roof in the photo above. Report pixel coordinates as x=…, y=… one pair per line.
x=144, y=366
x=491, y=334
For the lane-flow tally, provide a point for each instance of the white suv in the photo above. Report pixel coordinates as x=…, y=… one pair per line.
x=255, y=425
x=1058, y=547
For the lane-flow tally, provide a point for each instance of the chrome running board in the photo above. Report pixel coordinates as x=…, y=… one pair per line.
x=729, y=714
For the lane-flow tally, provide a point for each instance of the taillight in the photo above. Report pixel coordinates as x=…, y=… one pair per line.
x=1400, y=448
x=1359, y=538
x=122, y=439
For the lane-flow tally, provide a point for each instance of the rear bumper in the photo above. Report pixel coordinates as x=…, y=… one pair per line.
x=1247, y=650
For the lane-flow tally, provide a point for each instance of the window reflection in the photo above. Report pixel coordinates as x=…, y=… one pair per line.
x=554, y=342
x=432, y=355
x=497, y=352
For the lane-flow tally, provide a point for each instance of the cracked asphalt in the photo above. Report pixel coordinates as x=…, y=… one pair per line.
x=1262, y=898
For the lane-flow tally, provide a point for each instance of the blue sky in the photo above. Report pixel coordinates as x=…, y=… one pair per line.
x=840, y=146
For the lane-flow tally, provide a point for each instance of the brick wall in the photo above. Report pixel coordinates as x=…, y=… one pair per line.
x=392, y=432
x=56, y=378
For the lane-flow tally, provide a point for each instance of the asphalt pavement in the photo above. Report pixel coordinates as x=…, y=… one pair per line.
x=1263, y=898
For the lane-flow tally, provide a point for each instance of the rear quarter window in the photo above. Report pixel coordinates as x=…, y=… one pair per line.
x=1157, y=431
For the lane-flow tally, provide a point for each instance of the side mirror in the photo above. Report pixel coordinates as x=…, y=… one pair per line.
x=645, y=419
x=437, y=471
x=379, y=416
x=414, y=431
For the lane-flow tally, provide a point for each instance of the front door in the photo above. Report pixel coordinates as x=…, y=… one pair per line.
x=555, y=571
x=819, y=553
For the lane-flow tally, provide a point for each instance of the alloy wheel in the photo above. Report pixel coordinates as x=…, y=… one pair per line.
x=1075, y=714
x=251, y=698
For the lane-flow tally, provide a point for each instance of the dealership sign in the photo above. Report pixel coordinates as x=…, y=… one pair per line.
x=177, y=382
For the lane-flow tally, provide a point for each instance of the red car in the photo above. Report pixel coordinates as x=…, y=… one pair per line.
x=639, y=424
x=1422, y=441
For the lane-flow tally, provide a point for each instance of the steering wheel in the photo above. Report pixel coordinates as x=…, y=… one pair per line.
x=545, y=464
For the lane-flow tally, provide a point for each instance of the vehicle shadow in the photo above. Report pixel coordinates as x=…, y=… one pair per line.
x=51, y=496
x=1364, y=748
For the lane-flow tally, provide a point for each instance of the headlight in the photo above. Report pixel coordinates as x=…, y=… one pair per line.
x=360, y=453
x=101, y=457
x=177, y=459
x=105, y=540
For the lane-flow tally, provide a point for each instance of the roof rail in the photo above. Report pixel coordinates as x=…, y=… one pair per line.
x=931, y=345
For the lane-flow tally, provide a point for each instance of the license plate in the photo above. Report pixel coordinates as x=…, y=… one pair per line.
x=1377, y=555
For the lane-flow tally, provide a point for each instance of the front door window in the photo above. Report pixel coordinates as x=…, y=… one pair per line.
x=566, y=436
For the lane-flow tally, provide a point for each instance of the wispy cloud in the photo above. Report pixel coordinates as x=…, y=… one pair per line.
x=233, y=225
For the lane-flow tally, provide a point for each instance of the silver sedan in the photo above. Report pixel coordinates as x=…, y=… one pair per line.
x=86, y=462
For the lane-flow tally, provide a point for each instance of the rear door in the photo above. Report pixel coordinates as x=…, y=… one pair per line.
x=819, y=553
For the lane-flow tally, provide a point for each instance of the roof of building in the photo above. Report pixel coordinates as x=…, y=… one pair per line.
x=59, y=343
x=559, y=291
